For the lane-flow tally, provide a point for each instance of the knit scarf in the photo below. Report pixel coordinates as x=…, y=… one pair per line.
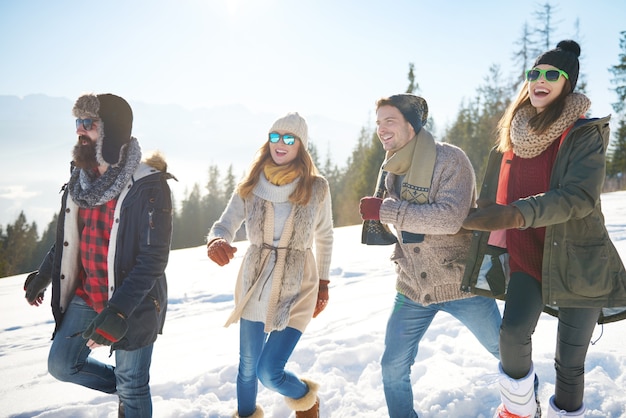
x=416, y=161
x=527, y=144
x=89, y=190
x=280, y=174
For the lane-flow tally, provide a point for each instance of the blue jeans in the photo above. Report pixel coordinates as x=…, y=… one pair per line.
x=263, y=356
x=69, y=361
x=408, y=323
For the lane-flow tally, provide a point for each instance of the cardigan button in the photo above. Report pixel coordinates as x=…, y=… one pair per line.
x=416, y=250
x=423, y=275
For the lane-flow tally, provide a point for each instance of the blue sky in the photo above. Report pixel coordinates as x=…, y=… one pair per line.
x=326, y=57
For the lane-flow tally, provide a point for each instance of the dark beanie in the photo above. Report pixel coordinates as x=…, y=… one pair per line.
x=413, y=108
x=564, y=57
x=117, y=121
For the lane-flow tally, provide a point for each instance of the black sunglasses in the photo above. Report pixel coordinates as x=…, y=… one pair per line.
x=87, y=123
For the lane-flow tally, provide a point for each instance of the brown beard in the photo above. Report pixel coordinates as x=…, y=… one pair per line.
x=84, y=153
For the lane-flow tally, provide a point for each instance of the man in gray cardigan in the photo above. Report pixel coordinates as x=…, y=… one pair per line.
x=430, y=188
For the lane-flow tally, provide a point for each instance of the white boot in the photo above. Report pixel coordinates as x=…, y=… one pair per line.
x=556, y=412
x=517, y=395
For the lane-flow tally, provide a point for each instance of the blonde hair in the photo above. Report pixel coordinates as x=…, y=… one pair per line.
x=303, y=164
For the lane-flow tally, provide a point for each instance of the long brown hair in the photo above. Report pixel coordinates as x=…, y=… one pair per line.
x=538, y=124
x=303, y=164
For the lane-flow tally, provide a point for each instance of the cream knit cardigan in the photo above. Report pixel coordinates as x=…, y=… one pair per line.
x=287, y=269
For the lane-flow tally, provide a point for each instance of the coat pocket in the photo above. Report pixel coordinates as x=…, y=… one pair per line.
x=588, y=269
x=494, y=271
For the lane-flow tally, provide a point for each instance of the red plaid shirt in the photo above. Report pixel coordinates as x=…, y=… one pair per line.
x=94, y=249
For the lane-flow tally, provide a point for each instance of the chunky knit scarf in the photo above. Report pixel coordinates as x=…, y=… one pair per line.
x=527, y=144
x=416, y=161
x=89, y=190
x=280, y=174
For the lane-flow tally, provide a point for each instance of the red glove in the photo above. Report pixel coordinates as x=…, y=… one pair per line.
x=370, y=208
x=322, y=297
x=220, y=251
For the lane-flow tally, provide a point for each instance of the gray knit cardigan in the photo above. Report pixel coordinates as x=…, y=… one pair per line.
x=431, y=271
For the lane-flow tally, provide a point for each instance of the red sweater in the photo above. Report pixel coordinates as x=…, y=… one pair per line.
x=529, y=177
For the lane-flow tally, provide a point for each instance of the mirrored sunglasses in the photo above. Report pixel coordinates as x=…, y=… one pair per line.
x=86, y=123
x=288, y=139
x=548, y=75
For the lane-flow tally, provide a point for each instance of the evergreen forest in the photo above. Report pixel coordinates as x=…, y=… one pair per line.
x=22, y=247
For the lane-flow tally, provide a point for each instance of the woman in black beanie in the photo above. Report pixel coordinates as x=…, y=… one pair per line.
x=541, y=201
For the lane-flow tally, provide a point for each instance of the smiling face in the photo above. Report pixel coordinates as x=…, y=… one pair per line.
x=542, y=92
x=393, y=129
x=281, y=153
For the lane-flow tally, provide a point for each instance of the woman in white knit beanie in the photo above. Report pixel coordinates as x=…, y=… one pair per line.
x=285, y=204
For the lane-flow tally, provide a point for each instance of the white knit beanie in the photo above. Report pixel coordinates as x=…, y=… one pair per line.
x=293, y=123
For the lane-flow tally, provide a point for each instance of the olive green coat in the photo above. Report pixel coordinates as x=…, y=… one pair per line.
x=581, y=267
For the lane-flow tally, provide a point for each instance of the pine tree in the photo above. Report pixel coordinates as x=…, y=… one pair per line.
x=18, y=246
x=189, y=224
x=619, y=76
x=474, y=130
x=616, y=166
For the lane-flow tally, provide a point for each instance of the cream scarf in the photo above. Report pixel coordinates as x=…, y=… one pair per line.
x=416, y=161
x=527, y=144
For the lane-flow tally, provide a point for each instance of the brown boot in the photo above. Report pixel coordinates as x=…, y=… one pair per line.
x=314, y=412
x=120, y=410
x=258, y=413
x=307, y=406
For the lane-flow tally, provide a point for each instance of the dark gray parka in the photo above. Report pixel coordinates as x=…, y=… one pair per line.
x=581, y=267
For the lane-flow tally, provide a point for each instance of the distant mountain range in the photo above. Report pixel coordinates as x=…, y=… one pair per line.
x=37, y=134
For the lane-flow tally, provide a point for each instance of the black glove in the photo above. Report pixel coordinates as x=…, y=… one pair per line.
x=107, y=328
x=35, y=286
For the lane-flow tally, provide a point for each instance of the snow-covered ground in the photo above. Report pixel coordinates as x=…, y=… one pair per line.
x=195, y=360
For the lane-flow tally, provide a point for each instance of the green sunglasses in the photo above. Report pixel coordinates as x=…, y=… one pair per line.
x=548, y=75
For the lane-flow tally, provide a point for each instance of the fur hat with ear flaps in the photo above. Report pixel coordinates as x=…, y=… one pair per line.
x=117, y=123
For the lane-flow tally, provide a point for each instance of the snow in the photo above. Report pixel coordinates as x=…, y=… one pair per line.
x=195, y=361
